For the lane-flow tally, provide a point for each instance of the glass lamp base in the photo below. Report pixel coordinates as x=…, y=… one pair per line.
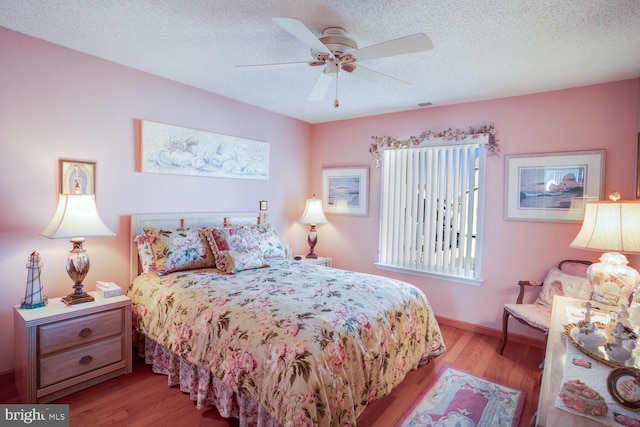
x=613, y=280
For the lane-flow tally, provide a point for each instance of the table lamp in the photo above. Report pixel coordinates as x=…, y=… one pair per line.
x=611, y=226
x=76, y=218
x=313, y=215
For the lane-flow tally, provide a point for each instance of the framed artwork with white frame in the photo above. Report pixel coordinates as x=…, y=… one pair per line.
x=552, y=186
x=345, y=190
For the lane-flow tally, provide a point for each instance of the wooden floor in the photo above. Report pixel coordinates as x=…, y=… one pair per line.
x=142, y=398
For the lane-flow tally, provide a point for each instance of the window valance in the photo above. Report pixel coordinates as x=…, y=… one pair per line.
x=390, y=143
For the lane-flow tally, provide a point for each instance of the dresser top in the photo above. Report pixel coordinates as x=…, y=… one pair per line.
x=58, y=310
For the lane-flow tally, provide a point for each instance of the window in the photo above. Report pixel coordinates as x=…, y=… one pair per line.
x=431, y=209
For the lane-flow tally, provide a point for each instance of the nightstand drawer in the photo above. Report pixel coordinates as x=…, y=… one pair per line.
x=68, y=364
x=73, y=332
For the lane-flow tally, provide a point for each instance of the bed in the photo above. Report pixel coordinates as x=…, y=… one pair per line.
x=262, y=337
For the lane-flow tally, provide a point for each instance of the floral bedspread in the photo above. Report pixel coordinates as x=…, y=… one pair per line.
x=312, y=344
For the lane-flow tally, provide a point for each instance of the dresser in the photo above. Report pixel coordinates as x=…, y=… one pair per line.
x=61, y=349
x=548, y=415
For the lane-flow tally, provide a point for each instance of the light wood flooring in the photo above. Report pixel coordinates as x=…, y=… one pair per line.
x=142, y=398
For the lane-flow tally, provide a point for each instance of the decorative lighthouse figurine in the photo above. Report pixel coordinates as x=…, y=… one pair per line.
x=34, y=297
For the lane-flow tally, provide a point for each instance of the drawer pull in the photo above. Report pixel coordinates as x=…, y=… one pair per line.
x=85, y=360
x=85, y=332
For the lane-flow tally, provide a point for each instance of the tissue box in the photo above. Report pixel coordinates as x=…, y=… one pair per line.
x=108, y=289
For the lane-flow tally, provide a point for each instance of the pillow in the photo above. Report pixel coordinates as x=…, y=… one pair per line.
x=229, y=239
x=179, y=249
x=145, y=254
x=558, y=282
x=268, y=241
x=231, y=262
x=232, y=238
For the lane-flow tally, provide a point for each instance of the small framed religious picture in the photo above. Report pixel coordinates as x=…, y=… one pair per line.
x=77, y=177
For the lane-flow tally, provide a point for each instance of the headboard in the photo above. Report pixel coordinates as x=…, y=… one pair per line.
x=177, y=220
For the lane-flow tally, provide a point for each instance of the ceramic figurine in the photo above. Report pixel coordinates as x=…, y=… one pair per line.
x=634, y=310
x=623, y=315
x=34, y=297
x=621, y=348
x=587, y=334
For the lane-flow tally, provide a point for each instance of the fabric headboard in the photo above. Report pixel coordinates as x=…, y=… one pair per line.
x=177, y=220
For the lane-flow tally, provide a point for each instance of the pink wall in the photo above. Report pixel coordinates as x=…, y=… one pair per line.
x=58, y=103
x=595, y=117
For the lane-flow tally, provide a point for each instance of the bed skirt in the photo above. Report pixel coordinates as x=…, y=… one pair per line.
x=202, y=387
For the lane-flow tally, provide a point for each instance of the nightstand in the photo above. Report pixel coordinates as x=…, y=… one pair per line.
x=317, y=261
x=61, y=349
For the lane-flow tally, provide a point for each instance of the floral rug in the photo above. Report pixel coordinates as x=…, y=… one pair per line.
x=459, y=399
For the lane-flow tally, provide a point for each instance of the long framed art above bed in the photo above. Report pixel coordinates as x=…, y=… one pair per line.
x=219, y=308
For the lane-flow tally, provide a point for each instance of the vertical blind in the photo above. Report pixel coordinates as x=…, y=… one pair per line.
x=430, y=213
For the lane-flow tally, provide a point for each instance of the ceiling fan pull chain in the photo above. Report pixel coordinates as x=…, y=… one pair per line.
x=336, y=104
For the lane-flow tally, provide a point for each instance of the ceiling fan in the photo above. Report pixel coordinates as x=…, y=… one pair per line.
x=337, y=52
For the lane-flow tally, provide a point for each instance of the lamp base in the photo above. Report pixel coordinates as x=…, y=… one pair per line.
x=311, y=255
x=612, y=279
x=72, y=299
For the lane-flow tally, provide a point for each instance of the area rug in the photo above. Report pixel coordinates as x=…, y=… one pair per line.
x=456, y=398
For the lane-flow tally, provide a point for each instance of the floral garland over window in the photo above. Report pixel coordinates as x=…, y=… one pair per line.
x=387, y=142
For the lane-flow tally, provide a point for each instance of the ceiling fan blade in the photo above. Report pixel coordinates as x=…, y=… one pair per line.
x=376, y=77
x=281, y=65
x=409, y=44
x=321, y=87
x=302, y=33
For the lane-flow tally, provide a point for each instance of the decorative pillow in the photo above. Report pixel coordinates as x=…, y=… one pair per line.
x=233, y=238
x=145, y=254
x=230, y=239
x=558, y=282
x=231, y=262
x=179, y=249
x=268, y=241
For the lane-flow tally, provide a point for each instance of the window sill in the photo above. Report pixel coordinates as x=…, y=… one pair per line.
x=440, y=276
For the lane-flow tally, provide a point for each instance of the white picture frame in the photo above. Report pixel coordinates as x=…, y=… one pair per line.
x=345, y=191
x=170, y=149
x=552, y=186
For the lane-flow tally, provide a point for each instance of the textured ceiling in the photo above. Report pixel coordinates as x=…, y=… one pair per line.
x=483, y=49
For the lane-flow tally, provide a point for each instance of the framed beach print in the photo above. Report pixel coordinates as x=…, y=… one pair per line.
x=345, y=190
x=552, y=186
x=77, y=177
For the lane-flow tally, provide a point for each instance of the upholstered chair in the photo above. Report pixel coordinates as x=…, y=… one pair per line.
x=568, y=279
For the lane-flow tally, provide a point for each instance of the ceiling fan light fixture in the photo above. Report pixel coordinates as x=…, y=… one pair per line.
x=336, y=51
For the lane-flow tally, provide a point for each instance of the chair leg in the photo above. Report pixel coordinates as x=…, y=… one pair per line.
x=505, y=323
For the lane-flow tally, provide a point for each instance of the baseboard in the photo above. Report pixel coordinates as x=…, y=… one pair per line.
x=471, y=327
x=6, y=377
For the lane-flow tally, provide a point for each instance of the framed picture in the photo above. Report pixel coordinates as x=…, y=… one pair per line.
x=77, y=177
x=345, y=191
x=553, y=186
x=183, y=151
x=623, y=386
x=263, y=205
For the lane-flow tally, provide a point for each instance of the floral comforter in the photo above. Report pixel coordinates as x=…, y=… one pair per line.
x=312, y=344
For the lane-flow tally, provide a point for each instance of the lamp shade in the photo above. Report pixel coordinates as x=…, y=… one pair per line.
x=76, y=216
x=610, y=226
x=313, y=213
